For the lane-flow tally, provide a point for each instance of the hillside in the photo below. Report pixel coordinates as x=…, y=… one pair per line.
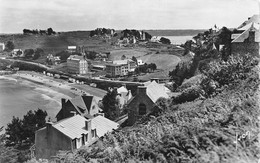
x=55, y=43
x=176, y=32
x=59, y=42
x=211, y=129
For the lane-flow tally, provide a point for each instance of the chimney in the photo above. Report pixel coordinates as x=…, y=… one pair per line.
x=63, y=101
x=141, y=90
x=88, y=124
x=251, y=37
x=48, y=126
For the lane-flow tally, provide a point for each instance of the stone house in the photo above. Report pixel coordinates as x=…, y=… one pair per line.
x=70, y=134
x=83, y=105
x=248, y=41
x=144, y=101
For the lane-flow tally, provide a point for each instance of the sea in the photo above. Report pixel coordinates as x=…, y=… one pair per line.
x=178, y=40
x=18, y=96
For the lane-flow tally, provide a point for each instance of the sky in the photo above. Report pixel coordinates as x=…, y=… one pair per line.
x=72, y=15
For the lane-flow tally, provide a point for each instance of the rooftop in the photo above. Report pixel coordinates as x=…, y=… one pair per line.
x=74, y=126
x=243, y=36
x=76, y=57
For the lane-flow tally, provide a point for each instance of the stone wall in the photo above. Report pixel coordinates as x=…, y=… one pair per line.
x=49, y=141
x=133, y=106
x=244, y=48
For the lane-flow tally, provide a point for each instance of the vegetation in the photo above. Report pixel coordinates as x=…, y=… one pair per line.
x=165, y=40
x=28, y=66
x=135, y=33
x=49, y=31
x=110, y=104
x=101, y=32
x=145, y=68
x=19, y=136
x=9, y=46
x=212, y=129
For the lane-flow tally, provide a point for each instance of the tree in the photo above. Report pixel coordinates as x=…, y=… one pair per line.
x=50, y=31
x=64, y=55
x=14, y=132
x=28, y=53
x=9, y=46
x=38, y=52
x=110, y=104
x=165, y=40
x=123, y=57
x=134, y=59
x=21, y=131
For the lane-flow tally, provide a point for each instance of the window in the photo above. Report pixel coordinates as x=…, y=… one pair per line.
x=74, y=144
x=142, y=109
x=83, y=139
x=86, y=137
x=93, y=133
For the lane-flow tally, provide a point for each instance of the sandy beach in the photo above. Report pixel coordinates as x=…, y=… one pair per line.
x=26, y=91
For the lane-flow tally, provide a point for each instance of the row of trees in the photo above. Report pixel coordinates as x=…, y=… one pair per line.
x=33, y=54
x=145, y=68
x=49, y=31
x=102, y=31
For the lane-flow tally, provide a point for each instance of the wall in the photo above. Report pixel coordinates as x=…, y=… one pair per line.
x=65, y=111
x=244, y=48
x=48, y=143
x=133, y=107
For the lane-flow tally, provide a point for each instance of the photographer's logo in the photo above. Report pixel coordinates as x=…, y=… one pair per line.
x=240, y=138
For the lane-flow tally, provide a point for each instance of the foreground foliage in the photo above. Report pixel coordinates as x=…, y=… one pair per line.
x=220, y=128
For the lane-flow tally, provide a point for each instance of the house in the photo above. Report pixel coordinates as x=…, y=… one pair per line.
x=247, y=42
x=70, y=134
x=83, y=105
x=53, y=59
x=77, y=64
x=17, y=52
x=124, y=95
x=144, y=101
x=2, y=47
x=72, y=49
x=140, y=62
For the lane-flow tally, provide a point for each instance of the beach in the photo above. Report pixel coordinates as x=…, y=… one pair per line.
x=26, y=91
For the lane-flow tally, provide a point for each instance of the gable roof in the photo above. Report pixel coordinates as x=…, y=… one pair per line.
x=253, y=19
x=122, y=89
x=103, y=125
x=82, y=102
x=154, y=91
x=74, y=127
x=245, y=34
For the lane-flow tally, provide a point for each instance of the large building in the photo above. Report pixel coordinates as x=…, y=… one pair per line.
x=120, y=67
x=70, y=134
x=247, y=38
x=77, y=64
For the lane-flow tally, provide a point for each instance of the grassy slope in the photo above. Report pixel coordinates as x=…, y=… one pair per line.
x=198, y=131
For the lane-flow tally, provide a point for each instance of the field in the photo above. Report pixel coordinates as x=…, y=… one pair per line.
x=164, y=63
